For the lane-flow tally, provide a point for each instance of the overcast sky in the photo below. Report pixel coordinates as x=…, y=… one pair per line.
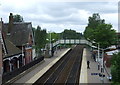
x=57, y=16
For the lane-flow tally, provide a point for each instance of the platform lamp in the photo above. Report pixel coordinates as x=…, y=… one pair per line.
x=50, y=40
x=98, y=46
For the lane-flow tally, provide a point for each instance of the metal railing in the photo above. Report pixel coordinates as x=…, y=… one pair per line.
x=72, y=41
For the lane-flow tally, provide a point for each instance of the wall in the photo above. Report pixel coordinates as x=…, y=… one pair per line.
x=0, y=56
x=28, y=55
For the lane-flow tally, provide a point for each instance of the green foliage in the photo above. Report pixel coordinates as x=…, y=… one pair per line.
x=100, y=32
x=94, y=21
x=40, y=38
x=33, y=29
x=66, y=34
x=104, y=35
x=70, y=34
x=54, y=36
x=17, y=18
x=88, y=33
x=115, y=69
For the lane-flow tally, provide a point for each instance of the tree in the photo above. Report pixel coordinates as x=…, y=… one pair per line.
x=17, y=18
x=33, y=29
x=55, y=36
x=40, y=39
x=37, y=39
x=115, y=69
x=94, y=21
x=43, y=38
x=104, y=35
x=70, y=34
x=100, y=32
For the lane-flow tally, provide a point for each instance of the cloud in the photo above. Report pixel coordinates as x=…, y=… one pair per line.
x=111, y=18
x=62, y=15
x=60, y=27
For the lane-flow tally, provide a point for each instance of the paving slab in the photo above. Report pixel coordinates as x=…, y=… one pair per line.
x=34, y=74
x=92, y=78
x=88, y=75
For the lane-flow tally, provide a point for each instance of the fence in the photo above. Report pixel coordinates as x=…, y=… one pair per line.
x=16, y=72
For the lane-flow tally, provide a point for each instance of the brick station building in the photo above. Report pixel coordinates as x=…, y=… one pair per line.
x=18, y=41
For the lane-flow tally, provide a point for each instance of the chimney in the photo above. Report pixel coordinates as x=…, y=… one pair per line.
x=10, y=25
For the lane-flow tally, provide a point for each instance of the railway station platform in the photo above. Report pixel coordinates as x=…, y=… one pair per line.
x=87, y=75
x=35, y=73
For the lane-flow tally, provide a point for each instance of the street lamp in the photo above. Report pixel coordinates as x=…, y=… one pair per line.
x=98, y=59
x=102, y=66
x=98, y=46
x=50, y=48
x=50, y=39
x=102, y=61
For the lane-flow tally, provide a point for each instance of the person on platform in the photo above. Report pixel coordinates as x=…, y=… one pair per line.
x=88, y=64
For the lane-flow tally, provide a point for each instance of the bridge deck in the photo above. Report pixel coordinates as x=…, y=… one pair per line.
x=72, y=41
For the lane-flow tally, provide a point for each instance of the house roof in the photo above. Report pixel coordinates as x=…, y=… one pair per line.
x=11, y=49
x=19, y=33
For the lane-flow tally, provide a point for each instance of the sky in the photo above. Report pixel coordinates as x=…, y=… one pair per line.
x=55, y=16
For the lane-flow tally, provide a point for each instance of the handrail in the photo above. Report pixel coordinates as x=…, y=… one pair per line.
x=72, y=41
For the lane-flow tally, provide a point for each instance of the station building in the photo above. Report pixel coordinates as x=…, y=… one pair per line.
x=17, y=44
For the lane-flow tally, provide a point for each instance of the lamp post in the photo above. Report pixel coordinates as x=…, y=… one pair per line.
x=102, y=66
x=50, y=39
x=100, y=61
x=98, y=46
x=50, y=45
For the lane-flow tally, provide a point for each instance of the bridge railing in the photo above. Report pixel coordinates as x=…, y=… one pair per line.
x=72, y=41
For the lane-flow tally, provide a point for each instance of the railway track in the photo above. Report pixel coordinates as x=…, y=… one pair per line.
x=66, y=70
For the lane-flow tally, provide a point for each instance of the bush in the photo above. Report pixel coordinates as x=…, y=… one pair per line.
x=115, y=69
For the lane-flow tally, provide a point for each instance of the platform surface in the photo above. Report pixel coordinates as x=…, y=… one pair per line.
x=86, y=74
x=34, y=74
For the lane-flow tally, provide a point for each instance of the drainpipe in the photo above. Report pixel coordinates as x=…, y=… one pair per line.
x=17, y=63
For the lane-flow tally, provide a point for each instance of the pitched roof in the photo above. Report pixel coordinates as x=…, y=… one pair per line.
x=11, y=49
x=19, y=32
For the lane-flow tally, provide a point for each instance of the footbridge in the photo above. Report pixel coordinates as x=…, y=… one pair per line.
x=72, y=41
x=53, y=46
